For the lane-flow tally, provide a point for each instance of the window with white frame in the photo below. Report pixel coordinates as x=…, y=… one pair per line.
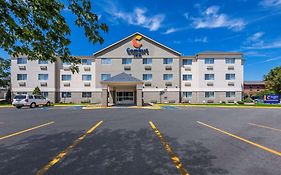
x=43, y=76
x=209, y=60
x=168, y=77
x=187, y=94
x=209, y=76
x=187, y=62
x=230, y=94
x=187, y=77
x=42, y=61
x=209, y=94
x=147, y=77
x=229, y=60
x=86, y=94
x=21, y=60
x=21, y=76
x=230, y=76
x=106, y=61
x=105, y=76
x=87, y=77
x=67, y=63
x=147, y=61
x=66, y=94
x=66, y=77
x=167, y=60
x=86, y=61
x=126, y=60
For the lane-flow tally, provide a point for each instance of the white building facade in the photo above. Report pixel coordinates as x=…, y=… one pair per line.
x=135, y=70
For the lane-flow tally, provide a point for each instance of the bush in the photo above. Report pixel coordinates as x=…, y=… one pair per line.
x=153, y=101
x=240, y=102
x=172, y=101
x=248, y=100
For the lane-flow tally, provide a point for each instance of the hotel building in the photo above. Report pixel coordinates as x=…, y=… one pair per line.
x=135, y=70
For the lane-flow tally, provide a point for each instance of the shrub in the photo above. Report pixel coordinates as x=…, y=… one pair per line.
x=240, y=102
x=172, y=101
x=248, y=100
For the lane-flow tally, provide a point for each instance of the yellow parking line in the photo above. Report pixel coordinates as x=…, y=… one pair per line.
x=242, y=139
x=62, y=154
x=267, y=127
x=173, y=156
x=26, y=130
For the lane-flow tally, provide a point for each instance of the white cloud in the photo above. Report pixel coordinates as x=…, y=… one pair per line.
x=255, y=37
x=139, y=18
x=201, y=40
x=186, y=15
x=170, y=30
x=211, y=18
x=255, y=41
x=271, y=3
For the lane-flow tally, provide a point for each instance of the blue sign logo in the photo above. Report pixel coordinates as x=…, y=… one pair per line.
x=272, y=99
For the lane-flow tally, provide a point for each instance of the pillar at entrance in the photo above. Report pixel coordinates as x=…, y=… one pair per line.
x=104, y=97
x=139, y=95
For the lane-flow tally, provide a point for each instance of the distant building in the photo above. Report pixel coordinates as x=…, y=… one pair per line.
x=251, y=88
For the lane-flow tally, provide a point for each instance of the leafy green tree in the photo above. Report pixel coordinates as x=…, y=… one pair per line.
x=264, y=92
x=37, y=28
x=4, y=73
x=273, y=80
x=37, y=91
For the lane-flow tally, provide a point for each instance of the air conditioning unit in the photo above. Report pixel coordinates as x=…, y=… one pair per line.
x=187, y=84
x=66, y=68
x=22, y=67
x=147, y=68
x=87, y=68
x=66, y=84
x=230, y=83
x=210, y=84
x=147, y=83
x=230, y=67
x=43, y=67
x=210, y=68
x=187, y=68
x=87, y=84
x=168, y=67
x=210, y=101
x=127, y=68
x=168, y=83
x=22, y=84
x=43, y=84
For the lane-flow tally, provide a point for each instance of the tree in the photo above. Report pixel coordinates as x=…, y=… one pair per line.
x=37, y=91
x=37, y=28
x=8, y=96
x=4, y=73
x=273, y=80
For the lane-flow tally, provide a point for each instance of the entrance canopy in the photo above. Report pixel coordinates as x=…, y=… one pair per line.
x=122, y=79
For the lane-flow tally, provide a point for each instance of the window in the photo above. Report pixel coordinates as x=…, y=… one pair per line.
x=167, y=60
x=126, y=60
x=187, y=77
x=66, y=77
x=86, y=61
x=187, y=62
x=187, y=94
x=66, y=63
x=209, y=76
x=86, y=94
x=209, y=60
x=43, y=76
x=21, y=61
x=230, y=94
x=209, y=94
x=105, y=61
x=147, y=77
x=167, y=76
x=87, y=77
x=21, y=76
x=45, y=94
x=230, y=76
x=105, y=76
x=230, y=60
x=66, y=94
x=42, y=61
x=147, y=61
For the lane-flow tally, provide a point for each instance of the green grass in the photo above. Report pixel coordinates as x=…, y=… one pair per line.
x=217, y=104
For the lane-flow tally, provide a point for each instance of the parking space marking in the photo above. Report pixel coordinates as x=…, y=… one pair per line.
x=173, y=156
x=26, y=130
x=267, y=127
x=65, y=152
x=242, y=139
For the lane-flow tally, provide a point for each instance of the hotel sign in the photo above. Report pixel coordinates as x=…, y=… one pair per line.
x=137, y=51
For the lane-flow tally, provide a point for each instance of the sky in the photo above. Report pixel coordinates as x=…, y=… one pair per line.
x=252, y=27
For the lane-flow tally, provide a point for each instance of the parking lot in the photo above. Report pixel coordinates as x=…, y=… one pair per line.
x=183, y=140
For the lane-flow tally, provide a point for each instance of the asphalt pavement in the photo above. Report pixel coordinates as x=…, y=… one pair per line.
x=122, y=141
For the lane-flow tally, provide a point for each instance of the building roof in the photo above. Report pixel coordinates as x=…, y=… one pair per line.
x=254, y=82
x=218, y=52
x=122, y=78
x=137, y=33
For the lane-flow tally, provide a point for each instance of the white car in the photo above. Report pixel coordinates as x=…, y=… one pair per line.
x=30, y=100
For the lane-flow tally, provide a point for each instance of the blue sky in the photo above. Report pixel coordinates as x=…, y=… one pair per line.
x=249, y=26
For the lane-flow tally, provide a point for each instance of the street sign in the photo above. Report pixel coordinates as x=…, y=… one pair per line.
x=272, y=99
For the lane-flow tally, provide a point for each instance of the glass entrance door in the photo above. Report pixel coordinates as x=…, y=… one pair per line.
x=125, y=97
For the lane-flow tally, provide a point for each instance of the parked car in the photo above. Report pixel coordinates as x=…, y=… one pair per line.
x=30, y=100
